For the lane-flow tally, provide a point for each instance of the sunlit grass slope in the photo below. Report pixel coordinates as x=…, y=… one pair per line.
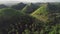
x=27, y=9
x=41, y=13
x=24, y=9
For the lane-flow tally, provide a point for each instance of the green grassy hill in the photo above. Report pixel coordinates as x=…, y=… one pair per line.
x=24, y=9
x=41, y=13
x=29, y=8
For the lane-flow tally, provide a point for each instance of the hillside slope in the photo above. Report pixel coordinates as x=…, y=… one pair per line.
x=47, y=13
x=41, y=13
x=29, y=8
x=18, y=6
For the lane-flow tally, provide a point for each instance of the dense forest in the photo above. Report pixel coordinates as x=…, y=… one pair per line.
x=30, y=18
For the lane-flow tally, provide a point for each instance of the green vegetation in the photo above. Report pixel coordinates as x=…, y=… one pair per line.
x=41, y=13
x=32, y=19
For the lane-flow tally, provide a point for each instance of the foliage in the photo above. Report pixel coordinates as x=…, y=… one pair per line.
x=44, y=20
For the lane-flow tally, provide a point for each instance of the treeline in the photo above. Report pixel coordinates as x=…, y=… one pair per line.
x=33, y=18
